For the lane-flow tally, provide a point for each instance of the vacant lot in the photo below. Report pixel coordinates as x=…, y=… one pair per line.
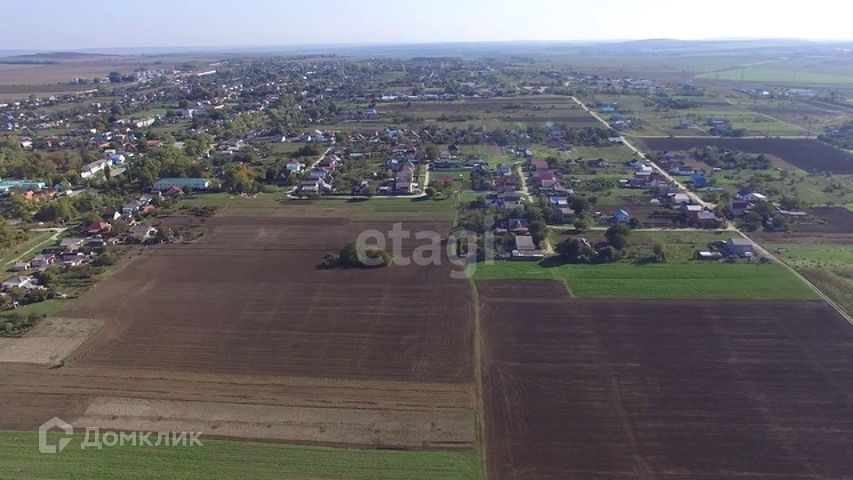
x=248, y=299
x=228, y=460
x=809, y=155
x=687, y=390
x=833, y=220
x=829, y=266
x=240, y=336
x=49, y=342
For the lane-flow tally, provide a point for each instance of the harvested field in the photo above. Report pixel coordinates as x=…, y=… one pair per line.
x=808, y=155
x=452, y=429
x=49, y=343
x=247, y=298
x=686, y=390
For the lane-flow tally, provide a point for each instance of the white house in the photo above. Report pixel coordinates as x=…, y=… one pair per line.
x=93, y=168
x=19, y=281
x=142, y=232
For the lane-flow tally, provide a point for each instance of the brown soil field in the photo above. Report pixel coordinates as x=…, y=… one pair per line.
x=838, y=220
x=808, y=155
x=247, y=298
x=240, y=336
x=293, y=409
x=676, y=390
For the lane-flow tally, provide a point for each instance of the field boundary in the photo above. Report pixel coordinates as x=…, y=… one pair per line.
x=480, y=406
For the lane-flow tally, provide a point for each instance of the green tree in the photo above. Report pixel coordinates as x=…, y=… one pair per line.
x=238, y=178
x=617, y=236
x=581, y=224
x=573, y=250
x=659, y=253
x=60, y=210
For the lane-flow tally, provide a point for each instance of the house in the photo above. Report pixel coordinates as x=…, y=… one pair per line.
x=692, y=211
x=565, y=214
x=508, y=183
x=193, y=183
x=405, y=178
x=330, y=163
x=72, y=259
x=503, y=170
x=739, y=247
x=517, y=226
x=738, y=208
x=636, y=164
x=698, y=180
x=620, y=215
x=71, y=244
x=91, y=169
x=99, y=227
x=318, y=174
x=546, y=178
x=9, y=185
x=42, y=261
x=110, y=215
x=294, y=166
x=173, y=192
x=130, y=208
x=507, y=201
x=142, y=232
x=313, y=187
x=525, y=249
x=558, y=201
x=706, y=219
x=537, y=164
x=680, y=199
x=682, y=170
x=751, y=197
x=19, y=281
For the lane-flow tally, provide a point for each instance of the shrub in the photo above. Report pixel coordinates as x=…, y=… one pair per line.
x=348, y=257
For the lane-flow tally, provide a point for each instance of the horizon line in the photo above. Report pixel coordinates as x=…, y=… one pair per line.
x=587, y=42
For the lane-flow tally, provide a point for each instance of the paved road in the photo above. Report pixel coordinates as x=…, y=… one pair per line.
x=654, y=165
x=758, y=248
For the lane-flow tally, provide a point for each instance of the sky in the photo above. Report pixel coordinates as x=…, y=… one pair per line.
x=81, y=24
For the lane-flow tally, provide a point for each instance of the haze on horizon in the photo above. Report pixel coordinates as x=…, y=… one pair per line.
x=92, y=24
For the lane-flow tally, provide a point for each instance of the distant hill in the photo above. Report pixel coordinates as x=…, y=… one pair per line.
x=48, y=57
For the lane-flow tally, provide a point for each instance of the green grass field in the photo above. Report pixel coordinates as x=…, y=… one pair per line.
x=660, y=281
x=660, y=122
x=828, y=266
x=21, y=460
x=786, y=76
x=35, y=241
